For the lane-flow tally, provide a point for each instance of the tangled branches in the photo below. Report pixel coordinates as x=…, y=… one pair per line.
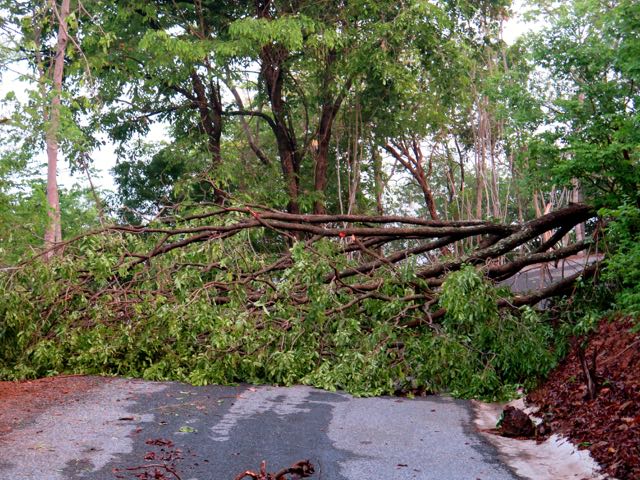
x=367, y=252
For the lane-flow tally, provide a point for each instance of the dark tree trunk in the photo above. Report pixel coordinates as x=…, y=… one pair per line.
x=328, y=112
x=272, y=67
x=210, y=110
x=210, y=118
x=322, y=158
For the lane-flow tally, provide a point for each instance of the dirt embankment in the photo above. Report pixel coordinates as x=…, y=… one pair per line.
x=609, y=424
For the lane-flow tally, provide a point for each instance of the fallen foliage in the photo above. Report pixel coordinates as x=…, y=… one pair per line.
x=609, y=424
x=23, y=401
x=301, y=469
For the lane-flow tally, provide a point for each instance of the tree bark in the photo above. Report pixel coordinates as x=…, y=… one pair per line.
x=210, y=118
x=576, y=197
x=53, y=233
x=378, y=180
x=328, y=111
x=272, y=65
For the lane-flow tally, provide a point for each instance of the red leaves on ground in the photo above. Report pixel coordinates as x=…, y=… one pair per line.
x=608, y=425
x=301, y=469
x=22, y=401
x=164, y=468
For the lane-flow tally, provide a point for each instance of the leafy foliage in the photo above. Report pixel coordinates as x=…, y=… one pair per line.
x=511, y=348
x=588, y=51
x=69, y=317
x=623, y=260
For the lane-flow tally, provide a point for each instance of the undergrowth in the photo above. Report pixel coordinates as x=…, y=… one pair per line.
x=622, y=270
x=89, y=313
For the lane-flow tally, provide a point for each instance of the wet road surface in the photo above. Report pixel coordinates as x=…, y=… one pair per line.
x=124, y=427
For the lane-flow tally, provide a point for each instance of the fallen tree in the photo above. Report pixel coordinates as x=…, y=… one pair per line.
x=368, y=304
x=378, y=243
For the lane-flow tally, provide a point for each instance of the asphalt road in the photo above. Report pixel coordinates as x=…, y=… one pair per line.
x=124, y=427
x=537, y=276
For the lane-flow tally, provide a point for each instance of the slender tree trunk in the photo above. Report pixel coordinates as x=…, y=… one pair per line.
x=378, y=180
x=327, y=115
x=576, y=197
x=328, y=111
x=210, y=109
x=322, y=159
x=495, y=191
x=451, y=182
x=425, y=178
x=354, y=163
x=210, y=118
x=339, y=173
x=285, y=140
x=479, y=164
x=53, y=233
x=464, y=203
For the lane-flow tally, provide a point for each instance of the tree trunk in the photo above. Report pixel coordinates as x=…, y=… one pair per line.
x=576, y=197
x=53, y=233
x=210, y=110
x=322, y=158
x=354, y=161
x=210, y=118
x=378, y=180
x=327, y=114
x=272, y=59
x=329, y=110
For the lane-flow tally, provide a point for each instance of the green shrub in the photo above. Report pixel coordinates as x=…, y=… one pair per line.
x=622, y=268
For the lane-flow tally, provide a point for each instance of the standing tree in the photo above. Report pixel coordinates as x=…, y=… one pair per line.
x=39, y=58
x=53, y=234
x=272, y=76
x=590, y=51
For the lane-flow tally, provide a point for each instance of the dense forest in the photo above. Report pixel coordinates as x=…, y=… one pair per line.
x=340, y=194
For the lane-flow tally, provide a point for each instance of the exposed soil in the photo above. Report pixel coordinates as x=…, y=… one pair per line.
x=516, y=423
x=21, y=402
x=608, y=425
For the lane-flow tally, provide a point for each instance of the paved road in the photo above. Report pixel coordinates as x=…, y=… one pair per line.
x=536, y=276
x=214, y=433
